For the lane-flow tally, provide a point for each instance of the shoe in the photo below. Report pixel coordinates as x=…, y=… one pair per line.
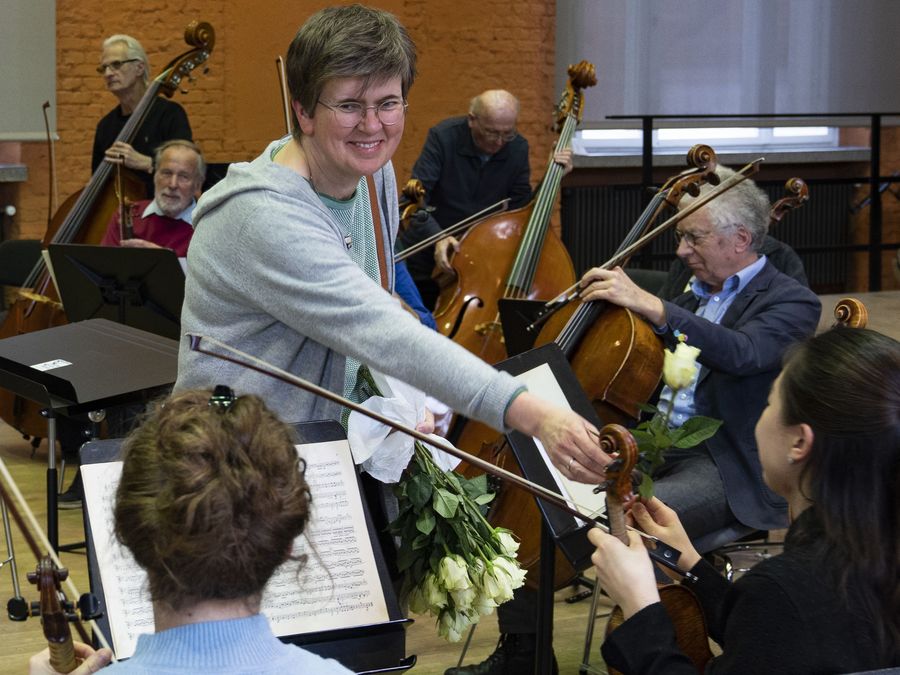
x=514, y=655
x=71, y=498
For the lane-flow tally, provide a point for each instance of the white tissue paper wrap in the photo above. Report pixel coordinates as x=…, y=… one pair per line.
x=383, y=452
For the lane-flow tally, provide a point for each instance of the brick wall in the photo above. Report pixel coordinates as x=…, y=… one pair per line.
x=465, y=46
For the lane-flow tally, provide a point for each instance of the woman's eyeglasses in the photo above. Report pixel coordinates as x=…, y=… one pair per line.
x=351, y=113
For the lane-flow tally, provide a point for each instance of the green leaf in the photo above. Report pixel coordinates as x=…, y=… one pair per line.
x=647, y=408
x=645, y=489
x=421, y=541
x=445, y=503
x=696, y=430
x=419, y=490
x=484, y=499
x=425, y=521
x=406, y=557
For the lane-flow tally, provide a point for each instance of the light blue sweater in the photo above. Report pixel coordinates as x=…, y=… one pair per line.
x=232, y=647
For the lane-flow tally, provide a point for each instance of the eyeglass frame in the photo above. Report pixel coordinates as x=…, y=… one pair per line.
x=507, y=137
x=364, y=111
x=115, y=66
x=690, y=238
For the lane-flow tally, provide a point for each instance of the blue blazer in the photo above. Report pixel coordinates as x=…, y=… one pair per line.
x=743, y=357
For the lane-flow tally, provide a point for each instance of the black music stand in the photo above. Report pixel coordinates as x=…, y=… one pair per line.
x=558, y=528
x=517, y=316
x=378, y=648
x=139, y=287
x=83, y=367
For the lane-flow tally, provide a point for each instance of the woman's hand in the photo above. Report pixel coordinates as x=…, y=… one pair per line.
x=569, y=439
x=89, y=661
x=624, y=572
x=658, y=520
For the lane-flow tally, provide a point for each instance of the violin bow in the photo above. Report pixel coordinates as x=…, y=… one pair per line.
x=568, y=295
x=661, y=553
x=35, y=530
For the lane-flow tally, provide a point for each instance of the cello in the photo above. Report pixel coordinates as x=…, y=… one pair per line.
x=513, y=255
x=83, y=218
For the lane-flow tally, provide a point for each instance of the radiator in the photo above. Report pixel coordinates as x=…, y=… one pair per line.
x=595, y=220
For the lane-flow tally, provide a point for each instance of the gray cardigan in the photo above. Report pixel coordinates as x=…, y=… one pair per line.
x=268, y=273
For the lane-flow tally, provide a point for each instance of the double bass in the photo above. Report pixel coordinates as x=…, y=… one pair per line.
x=514, y=254
x=83, y=218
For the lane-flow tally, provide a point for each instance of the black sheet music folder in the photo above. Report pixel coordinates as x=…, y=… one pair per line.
x=569, y=534
x=87, y=365
x=379, y=648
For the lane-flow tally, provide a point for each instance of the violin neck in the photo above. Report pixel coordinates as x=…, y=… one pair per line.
x=615, y=513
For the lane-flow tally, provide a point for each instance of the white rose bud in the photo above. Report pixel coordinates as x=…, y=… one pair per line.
x=511, y=567
x=497, y=584
x=508, y=544
x=451, y=625
x=434, y=596
x=680, y=366
x=453, y=573
x=462, y=599
x=484, y=605
x=417, y=602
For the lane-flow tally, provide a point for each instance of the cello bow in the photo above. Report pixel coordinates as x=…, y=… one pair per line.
x=662, y=553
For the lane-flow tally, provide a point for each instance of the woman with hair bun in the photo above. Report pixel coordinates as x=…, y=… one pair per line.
x=211, y=498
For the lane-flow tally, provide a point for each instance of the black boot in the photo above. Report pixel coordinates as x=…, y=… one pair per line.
x=514, y=655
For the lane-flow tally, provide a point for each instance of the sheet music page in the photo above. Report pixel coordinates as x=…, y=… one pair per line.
x=338, y=587
x=542, y=383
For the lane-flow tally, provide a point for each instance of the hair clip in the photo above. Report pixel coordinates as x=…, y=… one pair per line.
x=222, y=398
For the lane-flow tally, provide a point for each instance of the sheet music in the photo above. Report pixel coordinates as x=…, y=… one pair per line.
x=542, y=383
x=339, y=586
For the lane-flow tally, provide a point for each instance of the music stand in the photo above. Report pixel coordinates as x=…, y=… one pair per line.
x=138, y=287
x=558, y=528
x=83, y=367
x=516, y=315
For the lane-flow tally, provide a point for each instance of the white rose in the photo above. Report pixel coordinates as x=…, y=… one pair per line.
x=434, y=595
x=453, y=573
x=462, y=599
x=451, y=625
x=511, y=567
x=508, y=544
x=680, y=366
x=484, y=605
x=497, y=584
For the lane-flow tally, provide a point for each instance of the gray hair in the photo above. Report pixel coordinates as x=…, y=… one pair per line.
x=180, y=143
x=133, y=50
x=347, y=41
x=745, y=205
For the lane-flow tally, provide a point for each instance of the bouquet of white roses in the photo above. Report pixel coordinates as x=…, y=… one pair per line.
x=456, y=566
x=654, y=436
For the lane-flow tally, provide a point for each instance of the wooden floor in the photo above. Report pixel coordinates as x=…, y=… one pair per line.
x=18, y=641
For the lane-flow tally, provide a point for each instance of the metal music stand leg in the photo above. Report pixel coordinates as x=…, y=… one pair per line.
x=52, y=497
x=11, y=559
x=544, y=644
x=589, y=633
